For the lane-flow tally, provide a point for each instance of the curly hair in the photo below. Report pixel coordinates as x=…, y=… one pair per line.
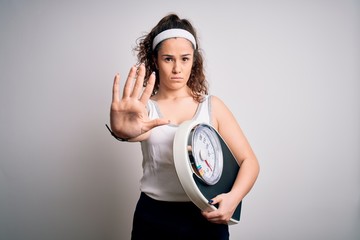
x=197, y=82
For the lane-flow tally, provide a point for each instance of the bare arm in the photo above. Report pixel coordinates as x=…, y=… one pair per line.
x=229, y=129
x=128, y=115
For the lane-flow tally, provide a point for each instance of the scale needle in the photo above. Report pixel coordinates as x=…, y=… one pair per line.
x=208, y=164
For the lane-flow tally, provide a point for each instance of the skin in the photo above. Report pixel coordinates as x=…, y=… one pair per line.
x=129, y=118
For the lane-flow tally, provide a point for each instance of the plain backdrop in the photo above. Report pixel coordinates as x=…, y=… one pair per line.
x=289, y=71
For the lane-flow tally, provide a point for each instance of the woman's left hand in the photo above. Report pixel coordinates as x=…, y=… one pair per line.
x=227, y=206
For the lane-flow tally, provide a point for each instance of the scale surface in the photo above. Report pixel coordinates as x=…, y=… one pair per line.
x=204, y=164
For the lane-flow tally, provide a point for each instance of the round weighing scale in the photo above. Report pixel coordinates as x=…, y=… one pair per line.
x=204, y=164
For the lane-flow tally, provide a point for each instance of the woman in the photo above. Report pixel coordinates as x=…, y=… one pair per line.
x=172, y=73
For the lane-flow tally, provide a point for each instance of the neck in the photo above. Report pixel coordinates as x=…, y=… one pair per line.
x=172, y=95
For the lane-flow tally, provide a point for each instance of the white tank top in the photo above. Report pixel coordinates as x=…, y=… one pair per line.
x=160, y=180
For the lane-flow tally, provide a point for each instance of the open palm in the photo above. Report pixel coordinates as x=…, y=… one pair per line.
x=128, y=115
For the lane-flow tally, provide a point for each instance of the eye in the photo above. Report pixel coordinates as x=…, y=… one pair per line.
x=168, y=59
x=185, y=59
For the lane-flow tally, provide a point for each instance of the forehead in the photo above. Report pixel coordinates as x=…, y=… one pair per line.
x=176, y=45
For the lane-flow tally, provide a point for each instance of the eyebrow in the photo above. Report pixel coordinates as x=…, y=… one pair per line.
x=183, y=55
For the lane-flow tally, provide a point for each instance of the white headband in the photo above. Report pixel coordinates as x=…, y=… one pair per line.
x=171, y=33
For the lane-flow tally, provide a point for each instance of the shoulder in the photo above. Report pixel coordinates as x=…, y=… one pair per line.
x=217, y=103
x=214, y=98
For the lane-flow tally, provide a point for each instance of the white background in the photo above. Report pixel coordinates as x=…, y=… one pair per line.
x=289, y=70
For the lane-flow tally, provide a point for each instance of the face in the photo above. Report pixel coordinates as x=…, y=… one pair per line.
x=175, y=60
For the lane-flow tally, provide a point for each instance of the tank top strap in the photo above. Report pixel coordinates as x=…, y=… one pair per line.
x=152, y=108
x=204, y=112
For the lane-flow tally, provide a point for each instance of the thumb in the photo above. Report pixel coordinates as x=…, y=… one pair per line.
x=155, y=123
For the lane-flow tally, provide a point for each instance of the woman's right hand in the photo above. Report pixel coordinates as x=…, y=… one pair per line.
x=128, y=115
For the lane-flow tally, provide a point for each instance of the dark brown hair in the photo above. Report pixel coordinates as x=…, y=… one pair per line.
x=197, y=82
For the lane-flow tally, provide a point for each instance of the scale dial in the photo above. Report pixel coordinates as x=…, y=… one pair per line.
x=206, y=154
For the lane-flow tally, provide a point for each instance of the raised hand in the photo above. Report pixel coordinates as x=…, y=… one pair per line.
x=128, y=115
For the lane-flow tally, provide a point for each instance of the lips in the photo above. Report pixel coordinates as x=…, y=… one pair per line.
x=176, y=78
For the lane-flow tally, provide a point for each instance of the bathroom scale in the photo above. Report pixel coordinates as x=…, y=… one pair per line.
x=204, y=164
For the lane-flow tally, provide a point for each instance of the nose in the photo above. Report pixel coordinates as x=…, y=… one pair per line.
x=176, y=68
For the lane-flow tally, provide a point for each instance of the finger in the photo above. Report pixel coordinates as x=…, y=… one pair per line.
x=115, y=95
x=211, y=216
x=214, y=216
x=128, y=83
x=139, y=81
x=215, y=200
x=148, y=89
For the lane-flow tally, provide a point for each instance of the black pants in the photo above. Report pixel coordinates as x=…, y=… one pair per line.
x=173, y=220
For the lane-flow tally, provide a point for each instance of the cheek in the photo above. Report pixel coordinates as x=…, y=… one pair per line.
x=189, y=68
x=164, y=69
x=163, y=72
